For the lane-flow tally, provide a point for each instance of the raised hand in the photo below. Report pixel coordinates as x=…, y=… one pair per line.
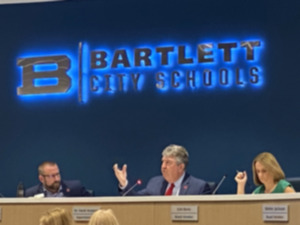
x=121, y=174
x=241, y=179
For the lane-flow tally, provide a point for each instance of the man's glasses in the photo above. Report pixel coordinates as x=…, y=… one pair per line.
x=52, y=175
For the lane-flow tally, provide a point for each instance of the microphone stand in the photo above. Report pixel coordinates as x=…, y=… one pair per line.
x=138, y=182
x=219, y=184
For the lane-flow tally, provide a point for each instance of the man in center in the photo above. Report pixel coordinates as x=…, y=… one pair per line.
x=174, y=180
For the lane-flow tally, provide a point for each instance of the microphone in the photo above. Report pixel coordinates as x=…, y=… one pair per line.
x=138, y=182
x=219, y=184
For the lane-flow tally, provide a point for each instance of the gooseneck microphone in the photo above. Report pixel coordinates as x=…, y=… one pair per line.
x=138, y=182
x=219, y=184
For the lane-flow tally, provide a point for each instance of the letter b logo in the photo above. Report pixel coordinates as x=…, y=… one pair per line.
x=29, y=75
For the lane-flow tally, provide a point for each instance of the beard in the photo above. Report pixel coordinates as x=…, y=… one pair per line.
x=53, y=187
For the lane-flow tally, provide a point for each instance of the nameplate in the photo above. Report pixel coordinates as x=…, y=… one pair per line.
x=275, y=213
x=184, y=213
x=81, y=213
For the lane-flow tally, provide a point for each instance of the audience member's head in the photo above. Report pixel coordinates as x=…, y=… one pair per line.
x=103, y=217
x=57, y=216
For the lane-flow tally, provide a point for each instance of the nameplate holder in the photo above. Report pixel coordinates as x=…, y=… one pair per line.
x=275, y=213
x=82, y=213
x=184, y=213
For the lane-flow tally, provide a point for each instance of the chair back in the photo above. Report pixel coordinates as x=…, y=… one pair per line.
x=295, y=182
x=212, y=185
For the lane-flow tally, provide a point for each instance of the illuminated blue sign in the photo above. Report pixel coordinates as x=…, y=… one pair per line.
x=165, y=68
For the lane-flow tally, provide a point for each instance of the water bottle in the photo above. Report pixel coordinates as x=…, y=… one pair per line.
x=20, y=190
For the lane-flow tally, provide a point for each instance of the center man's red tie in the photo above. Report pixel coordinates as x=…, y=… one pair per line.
x=170, y=189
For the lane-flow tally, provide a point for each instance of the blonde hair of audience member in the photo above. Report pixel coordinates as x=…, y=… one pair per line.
x=57, y=216
x=103, y=217
x=269, y=164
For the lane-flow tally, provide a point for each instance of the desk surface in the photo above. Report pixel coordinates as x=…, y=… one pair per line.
x=156, y=210
x=137, y=199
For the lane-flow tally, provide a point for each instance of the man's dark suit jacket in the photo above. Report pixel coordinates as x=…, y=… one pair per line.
x=157, y=186
x=70, y=188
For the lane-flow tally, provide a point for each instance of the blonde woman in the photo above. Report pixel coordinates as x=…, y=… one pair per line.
x=267, y=175
x=57, y=216
x=103, y=217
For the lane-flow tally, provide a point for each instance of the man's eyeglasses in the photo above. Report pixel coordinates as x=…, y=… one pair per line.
x=52, y=175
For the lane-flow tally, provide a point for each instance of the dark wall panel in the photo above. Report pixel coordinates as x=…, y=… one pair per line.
x=222, y=128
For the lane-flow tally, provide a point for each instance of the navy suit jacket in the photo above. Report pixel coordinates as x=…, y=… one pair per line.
x=157, y=186
x=70, y=188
